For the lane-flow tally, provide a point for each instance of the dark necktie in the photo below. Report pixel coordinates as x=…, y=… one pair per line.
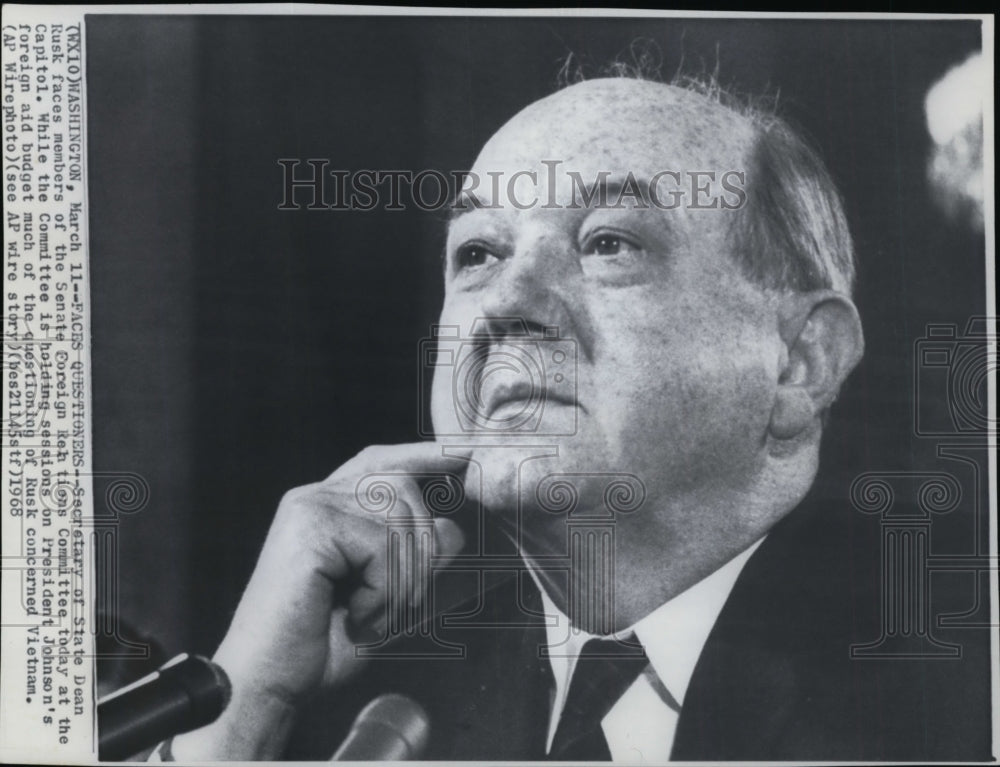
x=605, y=669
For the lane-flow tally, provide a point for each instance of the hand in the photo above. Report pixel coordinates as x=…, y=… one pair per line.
x=320, y=577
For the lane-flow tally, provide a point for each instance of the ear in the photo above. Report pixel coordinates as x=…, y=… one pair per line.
x=823, y=342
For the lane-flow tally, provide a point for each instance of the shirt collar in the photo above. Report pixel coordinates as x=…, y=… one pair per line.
x=673, y=635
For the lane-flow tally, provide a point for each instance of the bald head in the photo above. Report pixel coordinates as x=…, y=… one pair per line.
x=791, y=233
x=622, y=124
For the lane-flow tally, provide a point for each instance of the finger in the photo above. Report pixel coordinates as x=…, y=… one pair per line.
x=383, y=475
x=395, y=597
x=415, y=457
x=279, y=634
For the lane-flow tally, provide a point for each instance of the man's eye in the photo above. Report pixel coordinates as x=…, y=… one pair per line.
x=609, y=245
x=473, y=255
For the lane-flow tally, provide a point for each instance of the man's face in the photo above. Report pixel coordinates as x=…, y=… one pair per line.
x=677, y=352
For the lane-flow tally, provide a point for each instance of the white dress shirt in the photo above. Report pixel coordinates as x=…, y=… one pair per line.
x=640, y=727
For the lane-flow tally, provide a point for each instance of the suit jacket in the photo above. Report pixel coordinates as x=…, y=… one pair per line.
x=775, y=680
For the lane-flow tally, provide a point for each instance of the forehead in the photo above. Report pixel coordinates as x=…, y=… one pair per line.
x=620, y=125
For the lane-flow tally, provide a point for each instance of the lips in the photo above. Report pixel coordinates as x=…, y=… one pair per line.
x=506, y=387
x=519, y=397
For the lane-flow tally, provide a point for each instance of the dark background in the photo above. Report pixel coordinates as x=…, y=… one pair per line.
x=240, y=350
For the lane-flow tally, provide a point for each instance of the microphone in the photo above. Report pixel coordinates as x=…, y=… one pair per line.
x=391, y=728
x=184, y=694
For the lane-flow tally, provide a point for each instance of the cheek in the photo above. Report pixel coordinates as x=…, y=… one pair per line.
x=435, y=373
x=442, y=408
x=693, y=389
x=723, y=400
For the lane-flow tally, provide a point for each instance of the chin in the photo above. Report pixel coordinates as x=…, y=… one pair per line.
x=508, y=474
x=545, y=483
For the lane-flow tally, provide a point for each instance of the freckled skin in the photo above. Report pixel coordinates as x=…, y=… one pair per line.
x=680, y=354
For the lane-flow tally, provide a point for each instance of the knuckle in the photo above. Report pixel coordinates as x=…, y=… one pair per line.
x=298, y=496
x=372, y=451
x=300, y=506
x=365, y=458
x=291, y=497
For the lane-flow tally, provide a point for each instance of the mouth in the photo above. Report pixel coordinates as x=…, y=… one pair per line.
x=510, y=401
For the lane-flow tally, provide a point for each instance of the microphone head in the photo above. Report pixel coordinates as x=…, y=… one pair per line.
x=186, y=693
x=391, y=727
x=211, y=688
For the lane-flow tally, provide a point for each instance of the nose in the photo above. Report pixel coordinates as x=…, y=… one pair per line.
x=535, y=288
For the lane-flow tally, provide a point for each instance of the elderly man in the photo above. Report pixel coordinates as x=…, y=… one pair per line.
x=710, y=342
